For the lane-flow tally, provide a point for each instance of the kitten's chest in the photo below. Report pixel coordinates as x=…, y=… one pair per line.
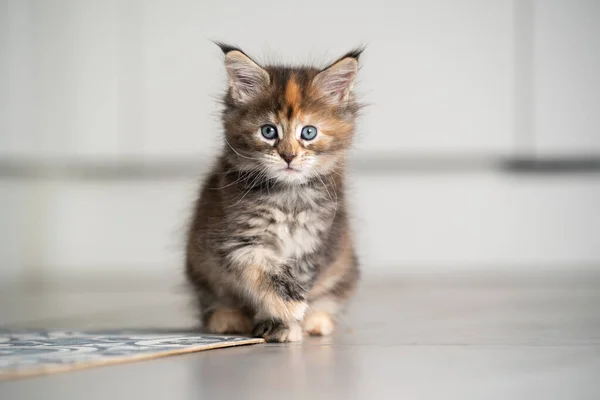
x=298, y=233
x=298, y=221
x=288, y=225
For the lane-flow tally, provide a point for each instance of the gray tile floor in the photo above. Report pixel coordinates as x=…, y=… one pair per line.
x=486, y=336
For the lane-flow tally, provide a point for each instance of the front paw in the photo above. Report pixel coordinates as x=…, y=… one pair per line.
x=319, y=323
x=278, y=331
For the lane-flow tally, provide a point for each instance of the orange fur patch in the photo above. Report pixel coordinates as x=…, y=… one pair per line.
x=293, y=95
x=228, y=320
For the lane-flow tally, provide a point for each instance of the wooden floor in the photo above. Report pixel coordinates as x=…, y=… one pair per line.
x=433, y=336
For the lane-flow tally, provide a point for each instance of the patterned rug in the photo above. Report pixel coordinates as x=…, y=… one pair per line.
x=29, y=353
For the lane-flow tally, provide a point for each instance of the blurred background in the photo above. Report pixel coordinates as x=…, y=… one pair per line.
x=479, y=150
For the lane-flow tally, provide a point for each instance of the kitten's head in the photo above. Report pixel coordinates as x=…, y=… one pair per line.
x=289, y=124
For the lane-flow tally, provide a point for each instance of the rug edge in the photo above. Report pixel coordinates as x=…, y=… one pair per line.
x=56, y=369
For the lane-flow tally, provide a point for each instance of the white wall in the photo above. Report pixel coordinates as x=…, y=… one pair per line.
x=567, y=77
x=111, y=82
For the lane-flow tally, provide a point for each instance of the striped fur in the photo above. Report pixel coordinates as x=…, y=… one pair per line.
x=269, y=241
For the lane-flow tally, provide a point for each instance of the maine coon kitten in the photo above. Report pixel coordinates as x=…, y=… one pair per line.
x=269, y=248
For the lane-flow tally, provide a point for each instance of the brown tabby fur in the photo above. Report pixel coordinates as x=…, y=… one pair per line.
x=269, y=247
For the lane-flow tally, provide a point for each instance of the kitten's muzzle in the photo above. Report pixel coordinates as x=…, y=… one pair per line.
x=287, y=157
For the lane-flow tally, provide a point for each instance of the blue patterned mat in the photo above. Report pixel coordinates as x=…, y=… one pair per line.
x=27, y=353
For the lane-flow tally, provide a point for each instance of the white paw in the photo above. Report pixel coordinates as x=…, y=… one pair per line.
x=319, y=323
x=276, y=331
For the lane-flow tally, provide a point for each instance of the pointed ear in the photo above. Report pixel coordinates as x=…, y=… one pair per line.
x=337, y=80
x=246, y=78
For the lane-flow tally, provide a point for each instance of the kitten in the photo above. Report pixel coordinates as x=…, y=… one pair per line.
x=269, y=249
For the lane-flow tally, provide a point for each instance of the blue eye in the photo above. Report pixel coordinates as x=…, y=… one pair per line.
x=268, y=131
x=309, y=132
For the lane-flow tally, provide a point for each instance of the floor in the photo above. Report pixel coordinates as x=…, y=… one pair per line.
x=486, y=336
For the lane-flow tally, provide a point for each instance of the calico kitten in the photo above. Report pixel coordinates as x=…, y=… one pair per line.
x=269, y=248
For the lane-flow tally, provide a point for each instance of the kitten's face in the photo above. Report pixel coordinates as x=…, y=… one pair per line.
x=289, y=124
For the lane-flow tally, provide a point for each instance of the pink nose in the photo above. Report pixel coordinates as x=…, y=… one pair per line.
x=287, y=157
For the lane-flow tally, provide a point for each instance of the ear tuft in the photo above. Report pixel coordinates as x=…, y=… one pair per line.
x=226, y=48
x=354, y=53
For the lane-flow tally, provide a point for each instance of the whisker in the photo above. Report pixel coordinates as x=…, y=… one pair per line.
x=241, y=177
x=254, y=182
x=238, y=153
x=232, y=183
x=330, y=197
